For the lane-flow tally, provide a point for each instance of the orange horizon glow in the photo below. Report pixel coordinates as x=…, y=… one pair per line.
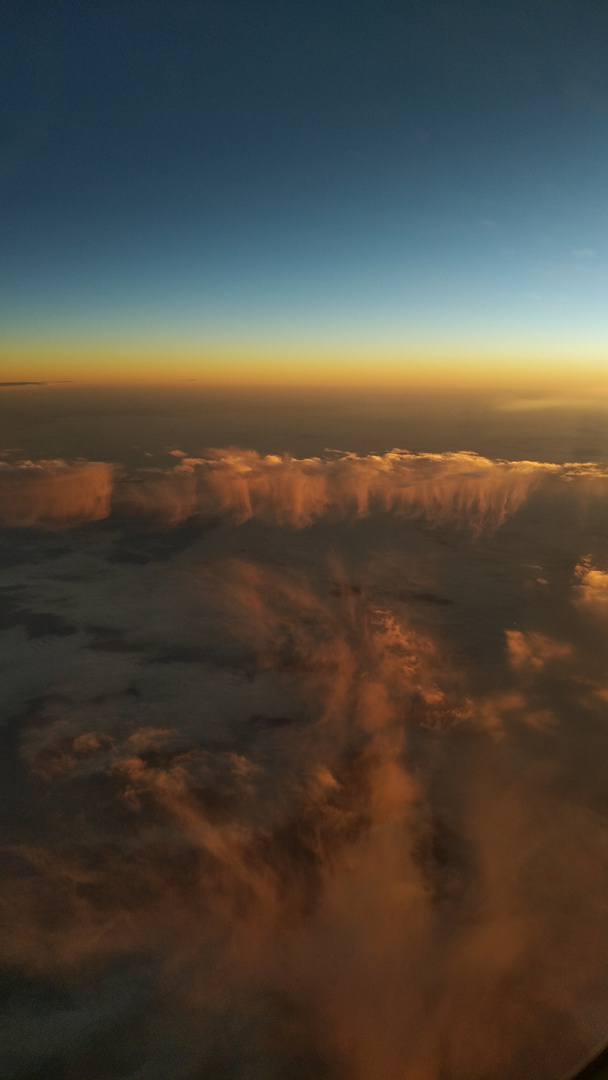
x=465, y=367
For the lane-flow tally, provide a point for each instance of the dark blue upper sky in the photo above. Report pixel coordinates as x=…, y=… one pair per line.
x=262, y=169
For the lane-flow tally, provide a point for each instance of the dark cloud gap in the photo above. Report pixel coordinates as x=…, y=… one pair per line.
x=344, y=588
x=115, y=642
x=185, y=654
x=15, y=554
x=36, y=624
x=123, y=555
x=272, y=721
x=426, y=598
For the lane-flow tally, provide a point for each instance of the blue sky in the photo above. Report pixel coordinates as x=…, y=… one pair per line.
x=395, y=174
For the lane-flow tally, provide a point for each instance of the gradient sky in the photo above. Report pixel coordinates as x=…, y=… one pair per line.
x=224, y=189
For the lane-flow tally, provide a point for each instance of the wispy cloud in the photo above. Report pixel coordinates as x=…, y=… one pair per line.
x=533, y=651
x=356, y=883
x=234, y=485
x=53, y=494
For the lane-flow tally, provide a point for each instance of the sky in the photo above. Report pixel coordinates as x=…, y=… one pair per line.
x=276, y=192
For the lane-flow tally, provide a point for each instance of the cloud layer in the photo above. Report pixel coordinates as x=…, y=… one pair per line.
x=368, y=883
x=318, y=805
x=234, y=485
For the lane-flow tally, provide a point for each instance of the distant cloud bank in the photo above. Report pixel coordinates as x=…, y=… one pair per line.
x=236, y=485
x=55, y=495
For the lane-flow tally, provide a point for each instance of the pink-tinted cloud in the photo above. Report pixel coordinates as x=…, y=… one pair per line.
x=533, y=651
x=461, y=489
x=54, y=495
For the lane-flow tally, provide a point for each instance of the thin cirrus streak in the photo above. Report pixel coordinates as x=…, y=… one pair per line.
x=235, y=485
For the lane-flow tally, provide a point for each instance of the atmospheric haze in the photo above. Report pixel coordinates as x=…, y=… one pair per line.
x=303, y=751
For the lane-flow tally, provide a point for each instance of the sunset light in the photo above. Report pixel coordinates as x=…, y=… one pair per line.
x=304, y=540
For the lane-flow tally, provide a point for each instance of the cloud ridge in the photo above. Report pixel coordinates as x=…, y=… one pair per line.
x=235, y=485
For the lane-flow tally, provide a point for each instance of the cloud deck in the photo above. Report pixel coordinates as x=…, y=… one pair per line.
x=317, y=795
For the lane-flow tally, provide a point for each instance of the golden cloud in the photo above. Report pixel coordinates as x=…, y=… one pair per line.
x=55, y=495
x=462, y=489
